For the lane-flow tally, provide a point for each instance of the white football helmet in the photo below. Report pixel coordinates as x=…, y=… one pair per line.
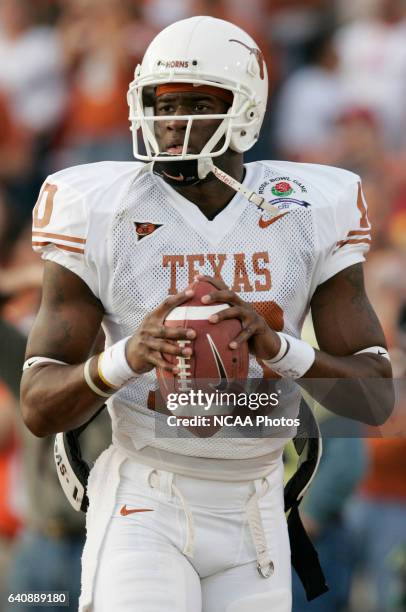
x=201, y=51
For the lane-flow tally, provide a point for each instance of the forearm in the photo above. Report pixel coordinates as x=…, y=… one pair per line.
x=57, y=398
x=357, y=387
x=365, y=365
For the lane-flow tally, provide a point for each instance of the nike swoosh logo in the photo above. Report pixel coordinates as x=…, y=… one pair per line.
x=179, y=178
x=220, y=366
x=125, y=511
x=263, y=224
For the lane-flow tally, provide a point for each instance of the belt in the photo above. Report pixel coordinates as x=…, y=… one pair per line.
x=164, y=482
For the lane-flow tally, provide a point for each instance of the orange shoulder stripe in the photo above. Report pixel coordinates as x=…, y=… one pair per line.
x=60, y=246
x=351, y=241
x=359, y=232
x=60, y=237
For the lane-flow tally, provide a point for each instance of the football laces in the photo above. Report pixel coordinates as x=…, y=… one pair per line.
x=183, y=364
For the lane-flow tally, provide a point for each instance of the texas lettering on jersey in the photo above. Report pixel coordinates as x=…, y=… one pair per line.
x=213, y=263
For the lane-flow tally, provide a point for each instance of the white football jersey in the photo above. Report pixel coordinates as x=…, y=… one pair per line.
x=134, y=240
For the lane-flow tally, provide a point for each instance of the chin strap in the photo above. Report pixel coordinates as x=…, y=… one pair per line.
x=206, y=165
x=193, y=172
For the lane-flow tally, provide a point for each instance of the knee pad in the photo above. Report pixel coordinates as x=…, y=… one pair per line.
x=279, y=600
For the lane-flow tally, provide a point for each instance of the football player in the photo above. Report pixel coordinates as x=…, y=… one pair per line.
x=183, y=523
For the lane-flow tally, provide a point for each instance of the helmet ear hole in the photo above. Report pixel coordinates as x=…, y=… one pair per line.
x=148, y=96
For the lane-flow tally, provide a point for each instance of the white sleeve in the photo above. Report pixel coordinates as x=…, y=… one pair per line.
x=345, y=237
x=60, y=229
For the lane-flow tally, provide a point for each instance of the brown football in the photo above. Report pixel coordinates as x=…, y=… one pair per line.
x=212, y=363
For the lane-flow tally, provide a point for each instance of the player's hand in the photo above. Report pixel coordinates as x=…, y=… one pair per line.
x=144, y=350
x=263, y=341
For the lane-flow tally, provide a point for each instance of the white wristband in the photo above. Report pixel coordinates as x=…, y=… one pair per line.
x=113, y=366
x=282, y=351
x=294, y=358
x=90, y=383
x=375, y=350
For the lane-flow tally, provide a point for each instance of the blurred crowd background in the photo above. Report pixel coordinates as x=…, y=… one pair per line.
x=338, y=96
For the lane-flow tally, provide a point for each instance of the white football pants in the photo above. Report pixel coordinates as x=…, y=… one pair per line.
x=194, y=545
